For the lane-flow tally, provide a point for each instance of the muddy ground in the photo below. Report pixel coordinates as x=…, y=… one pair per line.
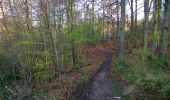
x=101, y=86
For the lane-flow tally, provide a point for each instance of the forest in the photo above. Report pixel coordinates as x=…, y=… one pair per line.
x=84, y=49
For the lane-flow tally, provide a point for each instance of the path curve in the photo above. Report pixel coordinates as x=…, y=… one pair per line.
x=99, y=87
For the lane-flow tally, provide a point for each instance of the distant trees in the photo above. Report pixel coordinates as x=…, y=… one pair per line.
x=44, y=39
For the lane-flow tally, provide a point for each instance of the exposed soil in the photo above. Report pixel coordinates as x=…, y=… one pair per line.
x=100, y=86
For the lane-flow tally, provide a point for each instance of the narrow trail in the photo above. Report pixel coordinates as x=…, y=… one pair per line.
x=100, y=86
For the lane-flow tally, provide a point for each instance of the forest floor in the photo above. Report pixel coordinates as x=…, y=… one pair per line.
x=94, y=82
x=100, y=86
x=97, y=81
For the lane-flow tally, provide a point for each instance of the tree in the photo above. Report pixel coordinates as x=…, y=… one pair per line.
x=27, y=15
x=165, y=30
x=136, y=14
x=146, y=13
x=132, y=26
x=4, y=17
x=54, y=36
x=122, y=33
x=155, y=35
x=93, y=17
x=117, y=11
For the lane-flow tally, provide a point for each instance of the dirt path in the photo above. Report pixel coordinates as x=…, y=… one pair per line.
x=100, y=86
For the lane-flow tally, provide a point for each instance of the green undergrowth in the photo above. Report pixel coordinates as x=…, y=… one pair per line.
x=146, y=77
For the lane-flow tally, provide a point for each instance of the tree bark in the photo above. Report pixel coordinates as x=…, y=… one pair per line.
x=136, y=15
x=146, y=14
x=117, y=11
x=132, y=27
x=165, y=30
x=155, y=34
x=122, y=33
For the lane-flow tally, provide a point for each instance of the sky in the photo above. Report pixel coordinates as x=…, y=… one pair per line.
x=98, y=4
x=140, y=8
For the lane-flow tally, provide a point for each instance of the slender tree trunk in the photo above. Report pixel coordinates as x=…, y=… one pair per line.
x=4, y=17
x=93, y=18
x=117, y=11
x=122, y=33
x=156, y=25
x=165, y=30
x=136, y=15
x=73, y=44
x=103, y=23
x=27, y=15
x=146, y=13
x=132, y=27
x=55, y=44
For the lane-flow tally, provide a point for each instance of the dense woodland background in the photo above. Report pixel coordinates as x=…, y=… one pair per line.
x=46, y=40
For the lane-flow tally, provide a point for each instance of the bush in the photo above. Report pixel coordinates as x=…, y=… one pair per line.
x=148, y=78
x=161, y=63
x=149, y=82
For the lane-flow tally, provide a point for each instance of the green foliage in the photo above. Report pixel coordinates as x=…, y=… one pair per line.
x=154, y=36
x=77, y=66
x=148, y=78
x=2, y=88
x=146, y=55
x=83, y=34
x=119, y=65
x=159, y=63
x=147, y=81
x=43, y=64
x=74, y=38
x=154, y=60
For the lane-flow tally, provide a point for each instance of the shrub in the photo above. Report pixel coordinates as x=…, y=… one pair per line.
x=148, y=78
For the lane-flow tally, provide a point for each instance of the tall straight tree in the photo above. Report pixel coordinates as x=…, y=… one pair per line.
x=54, y=35
x=93, y=17
x=146, y=13
x=132, y=25
x=155, y=35
x=27, y=15
x=71, y=24
x=117, y=11
x=122, y=33
x=165, y=30
x=3, y=16
x=136, y=14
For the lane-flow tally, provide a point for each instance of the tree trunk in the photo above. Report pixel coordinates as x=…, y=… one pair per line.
x=136, y=15
x=117, y=11
x=27, y=15
x=165, y=30
x=132, y=27
x=122, y=33
x=4, y=18
x=155, y=35
x=93, y=18
x=146, y=13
